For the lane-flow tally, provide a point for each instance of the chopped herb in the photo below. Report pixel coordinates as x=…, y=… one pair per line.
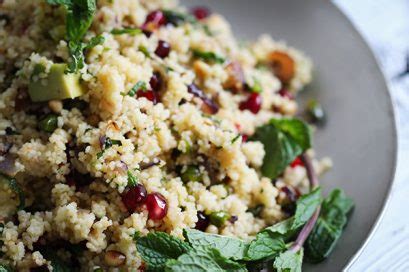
x=15, y=187
x=256, y=88
x=145, y=51
x=191, y=173
x=107, y=143
x=176, y=18
x=130, y=31
x=80, y=14
x=235, y=138
x=208, y=56
x=132, y=179
x=136, y=235
x=6, y=268
x=140, y=85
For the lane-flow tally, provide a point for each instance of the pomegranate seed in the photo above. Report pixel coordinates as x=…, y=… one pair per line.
x=244, y=138
x=253, y=103
x=286, y=94
x=134, y=197
x=297, y=162
x=157, y=206
x=203, y=221
x=150, y=95
x=155, y=82
x=154, y=20
x=163, y=49
x=200, y=12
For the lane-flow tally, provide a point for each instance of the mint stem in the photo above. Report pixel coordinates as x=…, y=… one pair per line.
x=306, y=230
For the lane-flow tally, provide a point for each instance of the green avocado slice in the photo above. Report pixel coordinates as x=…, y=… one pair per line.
x=58, y=85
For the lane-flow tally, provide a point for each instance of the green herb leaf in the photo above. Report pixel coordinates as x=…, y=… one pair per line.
x=140, y=85
x=329, y=226
x=97, y=40
x=289, y=261
x=6, y=268
x=296, y=129
x=203, y=260
x=283, y=140
x=79, y=18
x=256, y=88
x=60, y=2
x=132, y=179
x=176, y=18
x=15, y=187
x=130, y=31
x=227, y=246
x=266, y=244
x=208, y=56
x=306, y=206
x=283, y=227
x=159, y=247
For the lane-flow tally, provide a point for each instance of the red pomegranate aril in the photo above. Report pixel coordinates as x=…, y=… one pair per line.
x=155, y=19
x=200, y=12
x=286, y=94
x=163, y=49
x=155, y=82
x=203, y=221
x=253, y=103
x=296, y=162
x=157, y=206
x=244, y=138
x=150, y=95
x=134, y=197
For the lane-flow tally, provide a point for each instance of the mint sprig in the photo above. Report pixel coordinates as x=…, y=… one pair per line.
x=283, y=140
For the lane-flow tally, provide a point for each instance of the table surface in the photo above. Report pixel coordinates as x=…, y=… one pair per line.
x=385, y=26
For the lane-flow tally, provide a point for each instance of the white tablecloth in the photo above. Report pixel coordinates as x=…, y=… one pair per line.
x=385, y=26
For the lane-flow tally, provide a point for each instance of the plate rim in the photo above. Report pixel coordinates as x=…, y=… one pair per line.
x=392, y=112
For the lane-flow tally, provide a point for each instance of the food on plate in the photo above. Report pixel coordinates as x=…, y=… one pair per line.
x=138, y=135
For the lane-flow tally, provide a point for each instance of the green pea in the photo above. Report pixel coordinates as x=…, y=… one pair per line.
x=315, y=112
x=192, y=173
x=48, y=123
x=218, y=218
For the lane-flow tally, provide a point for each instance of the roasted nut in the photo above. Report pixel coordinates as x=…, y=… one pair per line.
x=114, y=258
x=283, y=65
x=55, y=105
x=235, y=77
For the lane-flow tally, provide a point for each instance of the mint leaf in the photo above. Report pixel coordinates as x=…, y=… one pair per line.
x=229, y=247
x=203, y=260
x=208, y=56
x=266, y=244
x=329, y=227
x=289, y=261
x=15, y=187
x=306, y=206
x=283, y=227
x=59, y=2
x=79, y=18
x=283, y=140
x=159, y=247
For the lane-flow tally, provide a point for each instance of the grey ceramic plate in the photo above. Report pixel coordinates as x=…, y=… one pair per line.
x=360, y=133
